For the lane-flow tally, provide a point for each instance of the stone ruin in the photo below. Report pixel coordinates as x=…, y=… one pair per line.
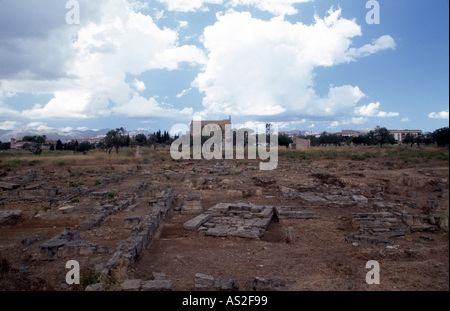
x=381, y=227
x=244, y=220
x=9, y=218
x=68, y=243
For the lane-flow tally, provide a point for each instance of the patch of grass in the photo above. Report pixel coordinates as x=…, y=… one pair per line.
x=167, y=176
x=364, y=156
x=75, y=200
x=89, y=277
x=34, y=162
x=59, y=163
x=73, y=184
x=97, y=182
x=111, y=195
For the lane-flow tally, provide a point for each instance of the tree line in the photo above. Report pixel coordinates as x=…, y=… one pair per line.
x=118, y=138
x=381, y=136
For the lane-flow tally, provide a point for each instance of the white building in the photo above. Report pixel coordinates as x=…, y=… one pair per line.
x=400, y=135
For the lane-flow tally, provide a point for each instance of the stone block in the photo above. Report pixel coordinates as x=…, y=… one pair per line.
x=262, y=284
x=289, y=235
x=262, y=223
x=219, y=209
x=157, y=285
x=132, y=221
x=131, y=285
x=218, y=231
x=197, y=222
x=50, y=249
x=102, y=194
x=90, y=222
x=366, y=239
x=205, y=282
x=192, y=197
x=8, y=186
x=67, y=209
x=296, y=212
x=98, y=287
x=229, y=285
x=360, y=199
x=311, y=198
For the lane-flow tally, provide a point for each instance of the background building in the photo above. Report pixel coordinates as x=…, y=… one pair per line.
x=400, y=135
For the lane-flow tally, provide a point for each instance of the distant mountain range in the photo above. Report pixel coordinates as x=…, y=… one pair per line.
x=6, y=135
x=306, y=133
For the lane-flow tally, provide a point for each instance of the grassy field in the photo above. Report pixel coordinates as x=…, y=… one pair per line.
x=18, y=159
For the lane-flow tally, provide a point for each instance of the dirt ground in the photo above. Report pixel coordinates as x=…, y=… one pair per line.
x=320, y=259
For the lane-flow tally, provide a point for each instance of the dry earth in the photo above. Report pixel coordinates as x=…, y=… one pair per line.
x=413, y=252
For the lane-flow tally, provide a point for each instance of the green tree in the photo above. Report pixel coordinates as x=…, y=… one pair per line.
x=442, y=136
x=59, y=145
x=284, y=140
x=114, y=139
x=360, y=140
x=84, y=147
x=382, y=136
x=141, y=139
x=5, y=146
x=409, y=139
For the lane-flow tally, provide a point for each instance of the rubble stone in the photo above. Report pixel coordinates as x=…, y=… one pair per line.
x=157, y=285
x=10, y=218
x=132, y=221
x=192, y=205
x=262, y=284
x=299, y=212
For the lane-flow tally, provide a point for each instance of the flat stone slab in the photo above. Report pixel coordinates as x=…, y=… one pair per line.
x=218, y=231
x=296, y=212
x=131, y=285
x=197, y=222
x=67, y=209
x=311, y=198
x=157, y=285
x=243, y=220
x=8, y=186
x=193, y=197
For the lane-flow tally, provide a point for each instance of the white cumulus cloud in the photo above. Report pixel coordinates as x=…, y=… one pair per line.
x=372, y=110
x=266, y=68
x=9, y=125
x=276, y=7
x=439, y=115
x=139, y=85
x=120, y=42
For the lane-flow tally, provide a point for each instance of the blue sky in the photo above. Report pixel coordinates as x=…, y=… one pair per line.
x=307, y=65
